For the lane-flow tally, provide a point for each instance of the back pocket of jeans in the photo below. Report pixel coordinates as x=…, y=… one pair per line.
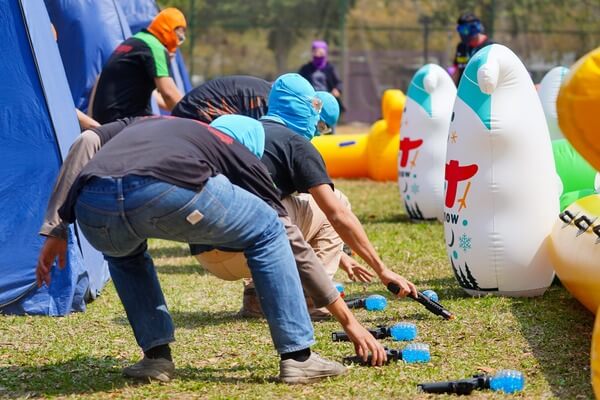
x=174, y=225
x=99, y=237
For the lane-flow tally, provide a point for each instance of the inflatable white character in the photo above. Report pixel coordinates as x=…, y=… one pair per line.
x=501, y=196
x=424, y=133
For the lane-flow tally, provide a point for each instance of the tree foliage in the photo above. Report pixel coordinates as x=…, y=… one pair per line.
x=285, y=20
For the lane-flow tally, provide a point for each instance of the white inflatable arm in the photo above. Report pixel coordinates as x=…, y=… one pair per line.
x=430, y=82
x=487, y=76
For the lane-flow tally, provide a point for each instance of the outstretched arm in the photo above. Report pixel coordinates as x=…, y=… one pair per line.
x=319, y=287
x=351, y=231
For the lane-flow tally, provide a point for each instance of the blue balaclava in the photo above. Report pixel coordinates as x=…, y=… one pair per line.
x=290, y=103
x=245, y=130
x=331, y=108
x=468, y=26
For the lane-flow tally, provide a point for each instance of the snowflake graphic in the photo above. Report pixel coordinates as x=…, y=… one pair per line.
x=414, y=188
x=464, y=242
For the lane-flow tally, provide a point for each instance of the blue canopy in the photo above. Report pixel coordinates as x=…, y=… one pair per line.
x=37, y=126
x=88, y=31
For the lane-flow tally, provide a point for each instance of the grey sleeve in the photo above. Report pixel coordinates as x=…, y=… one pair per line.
x=314, y=279
x=81, y=152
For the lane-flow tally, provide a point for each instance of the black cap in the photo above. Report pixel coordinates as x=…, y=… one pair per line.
x=467, y=17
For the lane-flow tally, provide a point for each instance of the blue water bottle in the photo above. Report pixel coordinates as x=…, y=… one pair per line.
x=413, y=353
x=507, y=381
x=431, y=295
x=416, y=353
x=374, y=302
x=403, y=331
x=400, y=331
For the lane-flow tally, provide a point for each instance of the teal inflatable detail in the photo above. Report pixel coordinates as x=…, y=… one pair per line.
x=468, y=88
x=417, y=92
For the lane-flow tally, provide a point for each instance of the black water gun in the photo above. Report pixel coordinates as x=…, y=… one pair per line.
x=508, y=381
x=429, y=304
x=413, y=353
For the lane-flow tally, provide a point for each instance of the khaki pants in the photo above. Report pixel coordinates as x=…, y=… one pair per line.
x=315, y=228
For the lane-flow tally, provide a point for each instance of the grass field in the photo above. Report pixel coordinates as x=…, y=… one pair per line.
x=220, y=356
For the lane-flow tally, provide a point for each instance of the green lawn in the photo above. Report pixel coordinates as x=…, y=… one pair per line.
x=220, y=356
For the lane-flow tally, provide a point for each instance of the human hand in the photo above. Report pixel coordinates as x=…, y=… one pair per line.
x=365, y=343
x=335, y=92
x=406, y=287
x=354, y=270
x=53, y=247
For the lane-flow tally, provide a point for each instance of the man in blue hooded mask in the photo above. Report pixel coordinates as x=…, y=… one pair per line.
x=296, y=166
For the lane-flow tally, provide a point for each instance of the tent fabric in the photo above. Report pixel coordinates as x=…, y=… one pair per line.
x=37, y=125
x=88, y=31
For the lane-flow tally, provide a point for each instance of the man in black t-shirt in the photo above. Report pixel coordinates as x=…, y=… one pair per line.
x=143, y=184
x=473, y=38
x=296, y=166
x=236, y=94
x=138, y=66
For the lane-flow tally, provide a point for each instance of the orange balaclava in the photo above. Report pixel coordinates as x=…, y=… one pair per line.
x=163, y=27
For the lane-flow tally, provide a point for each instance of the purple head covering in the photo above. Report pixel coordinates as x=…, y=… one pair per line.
x=320, y=62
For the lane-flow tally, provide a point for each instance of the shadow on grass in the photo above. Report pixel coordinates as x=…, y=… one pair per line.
x=383, y=219
x=223, y=375
x=86, y=375
x=559, y=330
x=76, y=376
x=194, y=319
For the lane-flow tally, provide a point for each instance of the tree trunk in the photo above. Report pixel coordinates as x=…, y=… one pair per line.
x=280, y=43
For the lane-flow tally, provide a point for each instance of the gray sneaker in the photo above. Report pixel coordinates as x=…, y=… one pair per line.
x=151, y=368
x=316, y=367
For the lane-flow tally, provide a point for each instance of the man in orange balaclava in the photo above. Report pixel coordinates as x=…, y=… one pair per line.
x=137, y=67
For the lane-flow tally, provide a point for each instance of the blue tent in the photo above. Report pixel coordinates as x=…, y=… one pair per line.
x=37, y=126
x=88, y=31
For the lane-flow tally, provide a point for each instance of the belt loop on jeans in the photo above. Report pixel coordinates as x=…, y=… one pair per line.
x=120, y=196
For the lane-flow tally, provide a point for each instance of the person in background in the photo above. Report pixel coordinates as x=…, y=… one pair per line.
x=321, y=73
x=137, y=67
x=235, y=94
x=472, y=39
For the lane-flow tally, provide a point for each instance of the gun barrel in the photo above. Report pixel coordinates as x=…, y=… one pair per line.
x=433, y=306
x=378, y=333
x=461, y=386
x=339, y=337
x=355, y=303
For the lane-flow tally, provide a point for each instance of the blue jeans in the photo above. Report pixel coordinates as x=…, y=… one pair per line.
x=118, y=215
